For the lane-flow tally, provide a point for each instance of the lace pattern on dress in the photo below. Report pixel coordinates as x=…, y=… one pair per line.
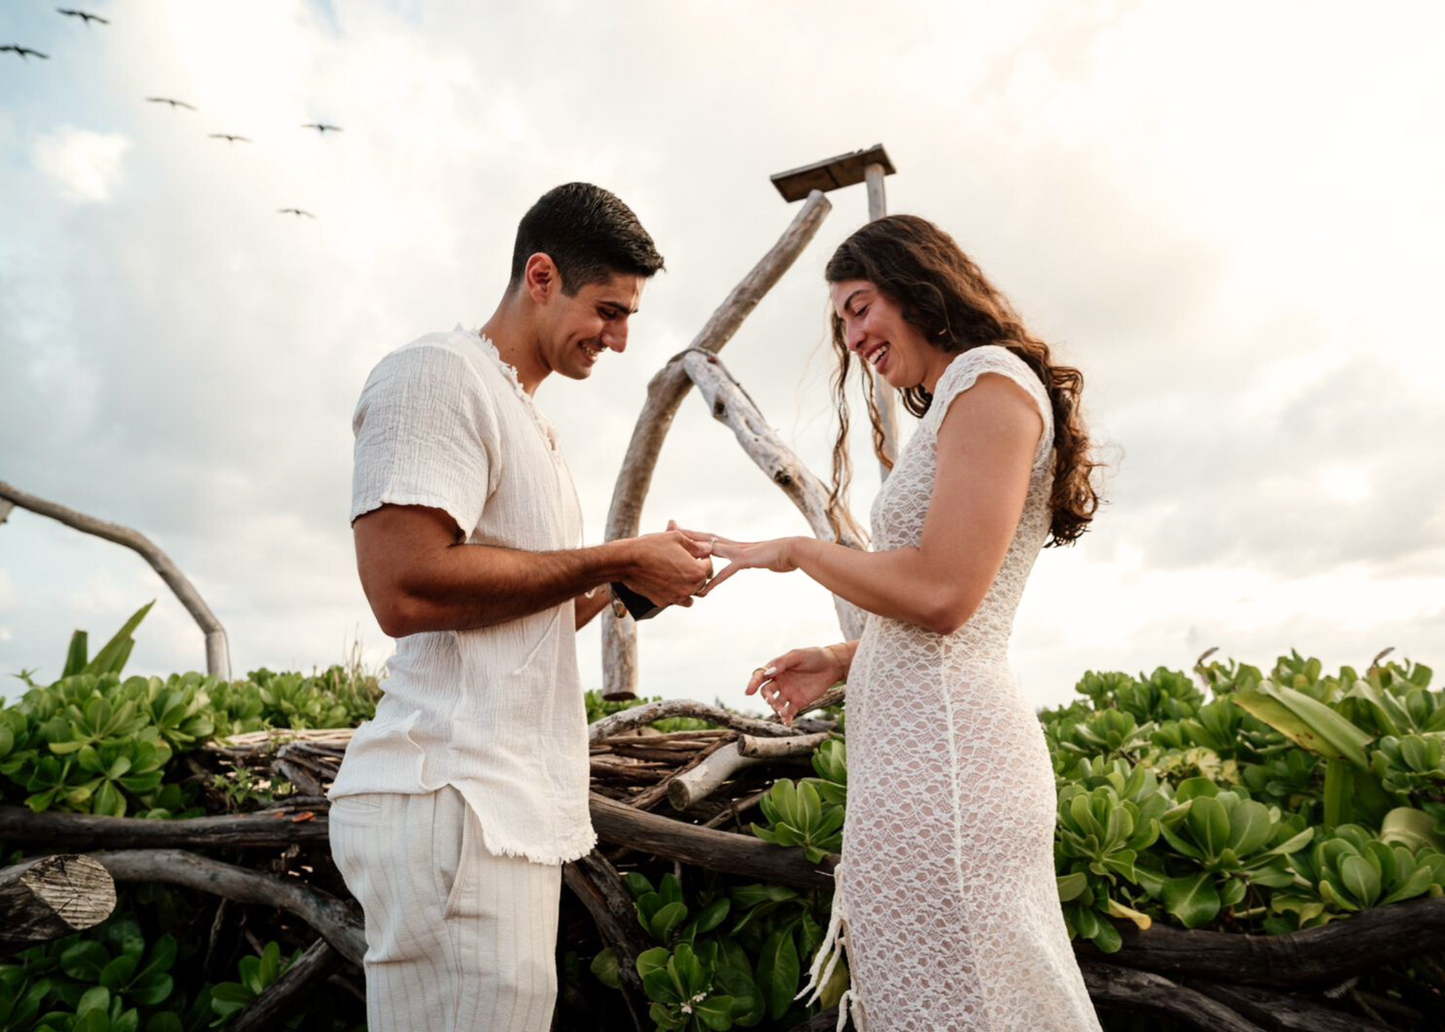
x=949, y=909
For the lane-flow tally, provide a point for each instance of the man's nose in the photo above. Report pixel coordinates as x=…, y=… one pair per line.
x=615, y=337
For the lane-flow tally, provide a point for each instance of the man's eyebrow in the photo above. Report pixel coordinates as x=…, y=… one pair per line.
x=618, y=304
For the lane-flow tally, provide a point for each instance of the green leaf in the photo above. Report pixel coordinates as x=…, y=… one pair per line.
x=1306, y=721
x=652, y=960
x=117, y=973
x=778, y=972
x=1071, y=886
x=112, y=656
x=1193, y=899
x=605, y=967
x=1361, y=879
x=1209, y=824
x=84, y=961
x=665, y=920
x=712, y=915
x=75, y=658
x=716, y=1012
x=1411, y=828
x=1107, y=938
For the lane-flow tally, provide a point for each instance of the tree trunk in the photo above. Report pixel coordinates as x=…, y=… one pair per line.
x=289, y=992
x=664, y=396
x=51, y=897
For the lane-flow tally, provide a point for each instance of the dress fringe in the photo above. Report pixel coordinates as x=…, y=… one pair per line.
x=834, y=942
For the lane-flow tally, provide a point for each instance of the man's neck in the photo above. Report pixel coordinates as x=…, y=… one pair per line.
x=516, y=341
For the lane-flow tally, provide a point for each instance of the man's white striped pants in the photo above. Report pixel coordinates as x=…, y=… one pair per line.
x=458, y=939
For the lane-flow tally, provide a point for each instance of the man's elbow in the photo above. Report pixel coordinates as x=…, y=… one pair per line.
x=395, y=614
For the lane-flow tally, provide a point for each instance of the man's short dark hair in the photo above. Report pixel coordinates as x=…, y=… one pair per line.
x=589, y=234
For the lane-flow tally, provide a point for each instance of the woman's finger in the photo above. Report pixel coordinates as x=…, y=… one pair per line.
x=707, y=588
x=729, y=549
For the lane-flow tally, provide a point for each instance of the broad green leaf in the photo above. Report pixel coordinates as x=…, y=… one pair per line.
x=1308, y=722
x=1193, y=899
x=604, y=966
x=1411, y=828
x=1071, y=886
x=113, y=654
x=778, y=971
x=1361, y=879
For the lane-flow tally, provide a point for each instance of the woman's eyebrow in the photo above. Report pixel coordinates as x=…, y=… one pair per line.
x=849, y=300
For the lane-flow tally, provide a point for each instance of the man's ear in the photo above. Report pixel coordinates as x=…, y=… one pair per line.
x=541, y=279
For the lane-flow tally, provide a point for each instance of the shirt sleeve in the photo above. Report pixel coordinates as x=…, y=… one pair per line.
x=426, y=434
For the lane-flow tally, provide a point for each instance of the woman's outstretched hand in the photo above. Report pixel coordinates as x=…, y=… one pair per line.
x=775, y=555
x=797, y=679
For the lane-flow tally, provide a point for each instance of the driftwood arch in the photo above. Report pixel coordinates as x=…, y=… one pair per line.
x=218, y=655
x=698, y=365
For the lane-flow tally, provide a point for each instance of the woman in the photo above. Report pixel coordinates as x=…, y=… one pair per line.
x=946, y=898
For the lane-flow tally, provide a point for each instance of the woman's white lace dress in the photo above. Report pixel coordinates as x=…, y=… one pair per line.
x=946, y=900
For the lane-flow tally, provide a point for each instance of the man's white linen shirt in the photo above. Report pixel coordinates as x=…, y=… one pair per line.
x=498, y=711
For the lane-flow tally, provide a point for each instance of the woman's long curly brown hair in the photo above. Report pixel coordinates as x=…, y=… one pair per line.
x=942, y=292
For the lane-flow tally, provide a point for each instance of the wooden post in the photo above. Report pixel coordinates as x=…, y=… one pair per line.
x=886, y=397
x=664, y=396
x=863, y=166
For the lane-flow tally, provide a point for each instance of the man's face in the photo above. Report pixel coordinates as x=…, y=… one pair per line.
x=579, y=329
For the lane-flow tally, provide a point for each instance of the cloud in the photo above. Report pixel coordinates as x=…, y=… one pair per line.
x=1244, y=283
x=86, y=164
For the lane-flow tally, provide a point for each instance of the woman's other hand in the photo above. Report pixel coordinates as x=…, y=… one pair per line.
x=797, y=679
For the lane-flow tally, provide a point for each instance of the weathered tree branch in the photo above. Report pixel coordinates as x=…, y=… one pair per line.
x=692, y=786
x=50, y=898
x=218, y=660
x=615, y=822
x=641, y=716
x=1154, y=994
x=664, y=396
x=596, y=884
x=290, y=991
x=1313, y=957
x=732, y=406
x=338, y=921
x=781, y=748
x=1282, y=1013
x=266, y=830
x=716, y=850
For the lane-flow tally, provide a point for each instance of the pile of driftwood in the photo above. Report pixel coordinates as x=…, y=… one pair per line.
x=682, y=797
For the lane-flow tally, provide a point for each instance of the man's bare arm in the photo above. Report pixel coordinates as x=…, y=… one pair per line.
x=418, y=576
x=587, y=608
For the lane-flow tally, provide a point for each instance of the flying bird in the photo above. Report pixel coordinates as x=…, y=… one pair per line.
x=173, y=103
x=229, y=138
x=322, y=127
x=294, y=211
x=84, y=16
x=25, y=52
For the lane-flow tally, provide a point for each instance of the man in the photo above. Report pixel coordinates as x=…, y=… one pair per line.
x=455, y=807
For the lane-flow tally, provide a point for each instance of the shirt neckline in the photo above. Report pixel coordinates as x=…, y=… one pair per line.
x=488, y=348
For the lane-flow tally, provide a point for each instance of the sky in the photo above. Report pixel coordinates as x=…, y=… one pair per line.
x=1227, y=215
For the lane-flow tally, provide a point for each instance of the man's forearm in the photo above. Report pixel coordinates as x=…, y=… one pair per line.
x=471, y=586
x=587, y=608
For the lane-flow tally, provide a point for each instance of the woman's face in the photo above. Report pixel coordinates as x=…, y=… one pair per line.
x=875, y=330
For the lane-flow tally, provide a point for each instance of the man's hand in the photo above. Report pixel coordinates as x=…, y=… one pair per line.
x=670, y=567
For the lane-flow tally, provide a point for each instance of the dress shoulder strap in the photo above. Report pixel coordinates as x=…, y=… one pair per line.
x=963, y=372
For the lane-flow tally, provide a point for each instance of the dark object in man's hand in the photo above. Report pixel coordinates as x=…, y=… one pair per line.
x=639, y=606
